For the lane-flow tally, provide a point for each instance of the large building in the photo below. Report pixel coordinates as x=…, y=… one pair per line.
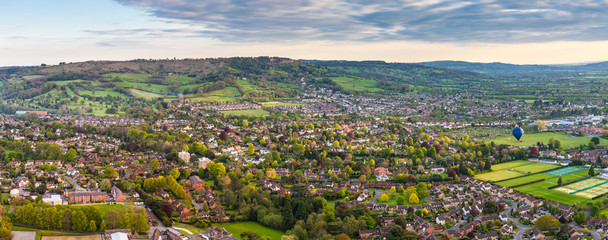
x=53, y=199
x=184, y=156
x=202, y=162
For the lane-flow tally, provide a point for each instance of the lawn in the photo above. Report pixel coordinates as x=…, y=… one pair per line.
x=104, y=208
x=566, y=140
x=535, y=168
x=525, y=179
x=132, y=77
x=275, y=104
x=357, y=84
x=144, y=94
x=192, y=229
x=542, y=190
x=236, y=228
x=247, y=112
x=228, y=94
x=511, y=164
x=498, y=175
x=5, y=196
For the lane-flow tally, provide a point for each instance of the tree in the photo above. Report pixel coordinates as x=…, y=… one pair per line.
x=400, y=200
x=559, y=181
x=336, y=144
x=106, y=185
x=595, y=140
x=175, y=173
x=341, y=236
x=249, y=235
x=250, y=149
x=70, y=156
x=421, y=189
x=396, y=233
x=580, y=218
x=414, y=198
x=110, y=172
x=546, y=222
x=92, y=226
x=102, y=226
x=186, y=173
x=542, y=125
x=271, y=173
x=384, y=197
x=140, y=222
x=591, y=171
x=154, y=164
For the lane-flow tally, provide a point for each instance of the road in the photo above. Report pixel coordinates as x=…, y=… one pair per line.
x=161, y=227
x=74, y=183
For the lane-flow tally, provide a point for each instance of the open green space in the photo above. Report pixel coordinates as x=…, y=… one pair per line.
x=525, y=179
x=392, y=200
x=236, y=228
x=511, y=164
x=566, y=140
x=542, y=190
x=228, y=94
x=498, y=175
x=247, y=112
x=145, y=94
x=357, y=84
x=275, y=104
x=104, y=208
x=131, y=77
x=90, y=237
x=40, y=233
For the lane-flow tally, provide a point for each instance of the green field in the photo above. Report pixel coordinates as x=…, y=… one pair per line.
x=392, y=200
x=541, y=190
x=357, y=84
x=145, y=94
x=566, y=140
x=525, y=179
x=514, y=169
x=247, y=112
x=274, y=104
x=104, y=208
x=228, y=94
x=236, y=228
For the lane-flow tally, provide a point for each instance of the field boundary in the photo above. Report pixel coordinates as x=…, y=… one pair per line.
x=56, y=229
x=587, y=188
x=528, y=183
x=570, y=182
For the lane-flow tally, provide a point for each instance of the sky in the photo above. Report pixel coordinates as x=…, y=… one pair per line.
x=33, y=32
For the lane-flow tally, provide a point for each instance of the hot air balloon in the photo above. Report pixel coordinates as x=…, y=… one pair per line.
x=518, y=132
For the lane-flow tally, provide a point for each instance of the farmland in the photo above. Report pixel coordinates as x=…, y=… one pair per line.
x=247, y=112
x=566, y=140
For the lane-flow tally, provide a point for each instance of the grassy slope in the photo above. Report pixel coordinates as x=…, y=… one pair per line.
x=357, y=84
x=531, y=140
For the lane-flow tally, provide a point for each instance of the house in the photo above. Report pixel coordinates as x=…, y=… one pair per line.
x=196, y=182
x=117, y=234
x=507, y=229
x=537, y=234
x=173, y=234
x=117, y=194
x=53, y=199
x=437, y=169
x=487, y=236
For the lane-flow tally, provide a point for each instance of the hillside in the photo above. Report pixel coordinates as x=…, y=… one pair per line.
x=514, y=69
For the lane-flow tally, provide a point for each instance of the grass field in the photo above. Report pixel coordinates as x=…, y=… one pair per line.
x=357, y=84
x=236, y=228
x=43, y=234
x=566, y=140
x=392, y=200
x=104, y=208
x=274, y=104
x=248, y=112
x=144, y=94
x=525, y=179
x=514, y=169
x=229, y=94
x=542, y=190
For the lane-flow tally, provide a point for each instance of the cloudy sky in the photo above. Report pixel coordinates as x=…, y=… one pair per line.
x=515, y=31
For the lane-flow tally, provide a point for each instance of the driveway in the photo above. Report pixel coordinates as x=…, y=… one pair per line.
x=74, y=183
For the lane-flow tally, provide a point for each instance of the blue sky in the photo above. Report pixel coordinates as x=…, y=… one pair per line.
x=515, y=31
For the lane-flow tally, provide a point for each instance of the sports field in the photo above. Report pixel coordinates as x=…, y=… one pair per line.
x=589, y=188
x=514, y=169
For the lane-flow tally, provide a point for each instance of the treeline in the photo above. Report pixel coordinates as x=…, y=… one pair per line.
x=85, y=218
x=169, y=183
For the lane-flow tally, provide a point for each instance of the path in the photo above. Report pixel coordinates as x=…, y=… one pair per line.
x=161, y=227
x=74, y=183
x=183, y=229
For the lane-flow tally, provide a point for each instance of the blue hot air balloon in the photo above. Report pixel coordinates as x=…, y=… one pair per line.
x=518, y=132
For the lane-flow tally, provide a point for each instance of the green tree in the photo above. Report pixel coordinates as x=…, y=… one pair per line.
x=154, y=164
x=175, y=173
x=546, y=222
x=140, y=222
x=102, y=226
x=384, y=197
x=580, y=218
x=70, y=156
x=92, y=226
x=400, y=200
x=250, y=149
x=106, y=185
x=591, y=171
x=110, y=172
x=559, y=181
x=414, y=198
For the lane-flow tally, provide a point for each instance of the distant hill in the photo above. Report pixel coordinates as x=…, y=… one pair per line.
x=514, y=69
